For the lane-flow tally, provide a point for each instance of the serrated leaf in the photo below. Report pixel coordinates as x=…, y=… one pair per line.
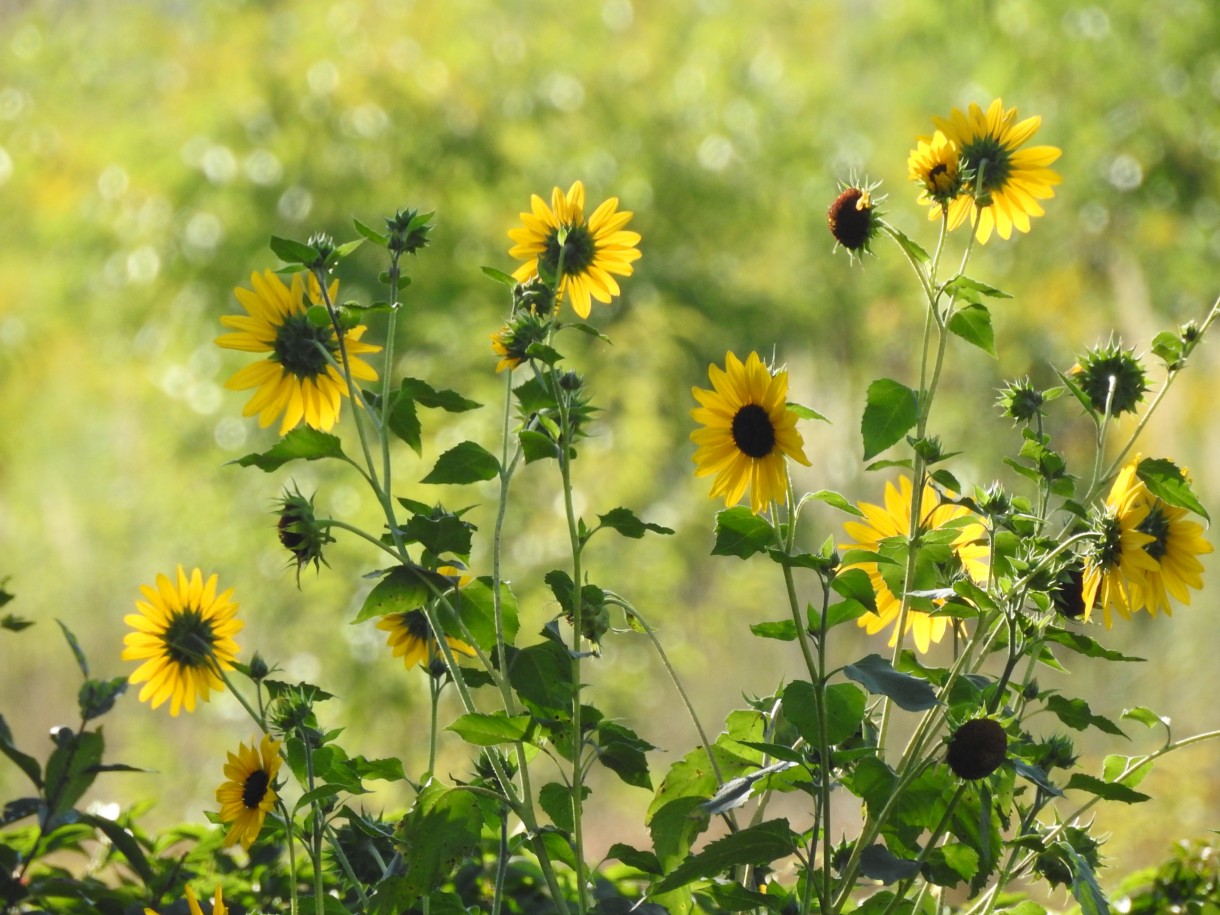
x=644, y=861
x=626, y=523
x=622, y=751
x=973, y=324
x=1082, y=644
x=488, y=730
x=436, y=835
x=1114, y=766
x=890, y=411
x=741, y=533
x=427, y=396
x=878, y=676
x=467, y=462
x=403, y=589
x=1167, y=482
x=752, y=846
x=303, y=443
x=1084, y=885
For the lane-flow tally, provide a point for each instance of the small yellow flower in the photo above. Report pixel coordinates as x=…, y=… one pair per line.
x=411, y=639
x=218, y=906
x=746, y=432
x=1116, y=566
x=184, y=637
x=593, y=251
x=934, y=164
x=249, y=794
x=297, y=380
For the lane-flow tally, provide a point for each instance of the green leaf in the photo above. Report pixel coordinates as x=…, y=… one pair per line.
x=440, y=532
x=27, y=764
x=968, y=290
x=500, y=277
x=439, y=832
x=122, y=839
x=71, y=768
x=973, y=324
x=427, y=396
x=1168, y=346
x=1107, y=791
x=844, y=711
x=1082, y=644
x=97, y=697
x=1146, y=717
x=542, y=675
x=622, y=751
x=736, y=791
x=14, y=623
x=1084, y=885
x=485, y=730
x=879, y=863
x=1114, y=766
x=741, y=533
x=839, y=501
x=375, y=237
x=81, y=661
x=751, y=846
x=952, y=863
x=856, y=585
x=403, y=421
x=1075, y=713
x=878, y=676
x=464, y=463
x=783, y=630
x=404, y=588
x=537, y=446
x=556, y=800
x=844, y=611
x=1167, y=482
x=626, y=523
x=889, y=413
x=644, y=861
x=804, y=412
x=302, y=443
x=913, y=251
x=476, y=606
x=292, y=252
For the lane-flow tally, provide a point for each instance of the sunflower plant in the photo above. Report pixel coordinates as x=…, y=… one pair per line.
x=971, y=585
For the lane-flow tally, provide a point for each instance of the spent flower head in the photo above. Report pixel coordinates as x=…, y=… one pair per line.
x=853, y=217
x=977, y=748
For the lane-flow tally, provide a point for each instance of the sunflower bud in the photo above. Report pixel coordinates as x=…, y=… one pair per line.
x=408, y=231
x=1112, y=379
x=534, y=296
x=300, y=532
x=1020, y=401
x=854, y=219
x=977, y=748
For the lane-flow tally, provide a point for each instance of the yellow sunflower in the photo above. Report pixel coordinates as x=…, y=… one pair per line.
x=747, y=431
x=594, y=251
x=893, y=520
x=297, y=380
x=184, y=636
x=1117, y=564
x=411, y=637
x=218, y=906
x=934, y=164
x=1002, y=183
x=249, y=794
x=1176, y=545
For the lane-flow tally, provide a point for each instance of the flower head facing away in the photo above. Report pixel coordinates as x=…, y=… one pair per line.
x=1002, y=182
x=746, y=432
x=297, y=380
x=183, y=635
x=582, y=256
x=410, y=637
x=192, y=901
x=889, y=524
x=249, y=793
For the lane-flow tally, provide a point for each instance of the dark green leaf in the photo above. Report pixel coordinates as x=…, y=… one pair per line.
x=844, y=706
x=27, y=764
x=1075, y=713
x=14, y=623
x=427, y=396
x=439, y=832
x=375, y=237
x=889, y=413
x=404, y=588
x=556, y=800
x=741, y=533
x=1107, y=791
x=622, y=751
x=1167, y=482
x=542, y=674
x=71, y=768
x=626, y=523
x=97, y=697
x=440, y=532
x=753, y=845
x=1084, y=885
x=489, y=730
x=1082, y=644
x=644, y=861
x=123, y=840
x=476, y=606
x=879, y=863
x=292, y=252
x=403, y=421
x=302, y=443
x=878, y=676
x=464, y=463
x=81, y=661
x=855, y=584
x=537, y=446
x=973, y=324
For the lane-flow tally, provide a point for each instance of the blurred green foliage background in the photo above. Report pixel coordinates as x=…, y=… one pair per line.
x=149, y=149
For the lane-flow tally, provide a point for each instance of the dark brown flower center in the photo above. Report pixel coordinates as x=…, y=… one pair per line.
x=255, y=789
x=752, y=431
x=977, y=748
x=850, y=219
x=189, y=639
x=300, y=346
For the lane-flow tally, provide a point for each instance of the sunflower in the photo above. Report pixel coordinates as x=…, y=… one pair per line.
x=593, y=251
x=218, y=906
x=1001, y=182
x=184, y=636
x=893, y=521
x=1116, y=565
x=747, y=432
x=1176, y=544
x=298, y=379
x=935, y=166
x=411, y=637
x=249, y=794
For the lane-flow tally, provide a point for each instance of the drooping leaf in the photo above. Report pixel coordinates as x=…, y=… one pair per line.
x=1107, y=791
x=1167, y=482
x=878, y=676
x=302, y=443
x=1075, y=713
x=427, y=396
x=402, y=589
x=622, y=751
x=26, y=763
x=467, y=462
x=626, y=523
x=844, y=705
x=891, y=410
x=77, y=652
